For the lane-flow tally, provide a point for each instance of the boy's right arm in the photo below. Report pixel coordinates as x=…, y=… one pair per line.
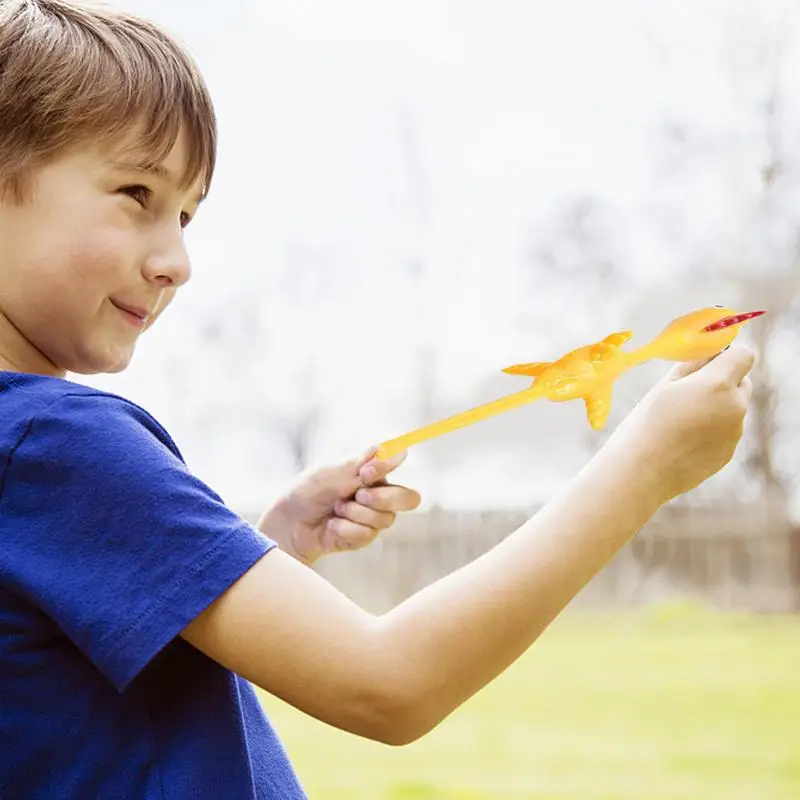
x=394, y=677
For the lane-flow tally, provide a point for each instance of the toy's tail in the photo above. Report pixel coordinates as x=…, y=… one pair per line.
x=394, y=446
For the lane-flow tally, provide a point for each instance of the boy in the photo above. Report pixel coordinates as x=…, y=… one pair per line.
x=136, y=610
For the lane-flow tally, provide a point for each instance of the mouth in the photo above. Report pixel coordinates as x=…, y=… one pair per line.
x=736, y=319
x=134, y=314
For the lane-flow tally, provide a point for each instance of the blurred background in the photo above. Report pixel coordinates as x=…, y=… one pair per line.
x=411, y=196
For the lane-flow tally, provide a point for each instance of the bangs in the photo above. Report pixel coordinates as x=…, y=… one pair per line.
x=150, y=95
x=103, y=77
x=149, y=127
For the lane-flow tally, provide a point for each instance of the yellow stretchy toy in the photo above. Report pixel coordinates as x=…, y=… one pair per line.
x=589, y=372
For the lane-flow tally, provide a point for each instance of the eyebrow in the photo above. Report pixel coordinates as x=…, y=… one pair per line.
x=157, y=170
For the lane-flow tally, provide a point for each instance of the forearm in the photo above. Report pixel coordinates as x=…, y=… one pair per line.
x=396, y=676
x=455, y=636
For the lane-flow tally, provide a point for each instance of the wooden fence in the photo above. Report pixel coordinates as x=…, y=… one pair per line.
x=737, y=557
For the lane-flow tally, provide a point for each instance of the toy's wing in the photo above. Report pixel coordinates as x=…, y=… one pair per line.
x=598, y=407
x=619, y=338
x=533, y=369
x=606, y=349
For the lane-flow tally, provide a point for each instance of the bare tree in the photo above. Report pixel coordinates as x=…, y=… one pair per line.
x=270, y=376
x=297, y=415
x=778, y=177
x=419, y=271
x=759, y=264
x=576, y=274
x=299, y=424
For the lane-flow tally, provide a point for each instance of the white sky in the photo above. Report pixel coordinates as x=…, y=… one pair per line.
x=356, y=136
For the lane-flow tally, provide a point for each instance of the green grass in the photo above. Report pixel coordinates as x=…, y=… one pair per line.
x=675, y=703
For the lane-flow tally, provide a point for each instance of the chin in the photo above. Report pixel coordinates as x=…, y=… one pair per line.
x=107, y=364
x=84, y=369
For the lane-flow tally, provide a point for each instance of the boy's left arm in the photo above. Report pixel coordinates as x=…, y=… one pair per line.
x=337, y=508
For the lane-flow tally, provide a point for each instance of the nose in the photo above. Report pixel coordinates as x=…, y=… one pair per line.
x=168, y=264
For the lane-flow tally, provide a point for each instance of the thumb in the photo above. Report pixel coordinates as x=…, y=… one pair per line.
x=356, y=464
x=372, y=470
x=734, y=364
x=731, y=366
x=338, y=480
x=349, y=476
x=685, y=368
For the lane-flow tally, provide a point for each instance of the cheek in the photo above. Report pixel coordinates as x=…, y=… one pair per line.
x=74, y=270
x=66, y=279
x=61, y=261
x=97, y=258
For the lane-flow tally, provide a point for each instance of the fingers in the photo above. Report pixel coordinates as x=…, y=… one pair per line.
x=365, y=458
x=347, y=478
x=375, y=505
x=731, y=366
x=372, y=470
x=378, y=506
x=343, y=534
x=364, y=515
x=358, y=521
x=746, y=390
x=395, y=499
x=685, y=368
x=356, y=524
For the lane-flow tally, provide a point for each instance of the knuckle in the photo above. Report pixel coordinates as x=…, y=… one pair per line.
x=742, y=406
x=364, y=535
x=747, y=354
x=336, y=525
x=380, y=519
x=345, y=543
x=720, y=384
x=348, y=510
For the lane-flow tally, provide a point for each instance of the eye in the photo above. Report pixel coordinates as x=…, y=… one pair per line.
x=144, y=194
x=141, y=194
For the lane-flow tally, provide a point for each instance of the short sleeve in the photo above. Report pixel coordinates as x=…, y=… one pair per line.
x=108, y=532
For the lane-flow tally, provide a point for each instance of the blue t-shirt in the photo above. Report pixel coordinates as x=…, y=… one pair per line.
x=109, y=547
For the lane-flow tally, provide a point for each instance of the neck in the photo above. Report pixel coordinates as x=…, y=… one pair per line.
x=647, y=352
x=18, y=354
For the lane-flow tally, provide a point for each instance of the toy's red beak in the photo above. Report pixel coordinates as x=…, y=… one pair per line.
x=736, y=319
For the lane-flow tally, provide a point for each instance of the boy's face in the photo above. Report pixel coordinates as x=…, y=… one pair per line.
x=89, y=260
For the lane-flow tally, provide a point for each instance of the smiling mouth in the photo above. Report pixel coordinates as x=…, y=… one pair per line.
x=736, y=319
x=136, y=316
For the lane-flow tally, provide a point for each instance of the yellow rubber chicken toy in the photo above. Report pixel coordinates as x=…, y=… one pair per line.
x=589, y=372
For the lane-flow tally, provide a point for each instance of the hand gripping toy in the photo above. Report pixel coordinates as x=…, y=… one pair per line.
x=589, y=372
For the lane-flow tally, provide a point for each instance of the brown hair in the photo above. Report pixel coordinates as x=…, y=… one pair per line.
x=73, y=72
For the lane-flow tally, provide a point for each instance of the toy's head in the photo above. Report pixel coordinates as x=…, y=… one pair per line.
x=700, y=334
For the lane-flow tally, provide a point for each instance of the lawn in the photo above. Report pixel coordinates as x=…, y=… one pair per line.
x=675, y=703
